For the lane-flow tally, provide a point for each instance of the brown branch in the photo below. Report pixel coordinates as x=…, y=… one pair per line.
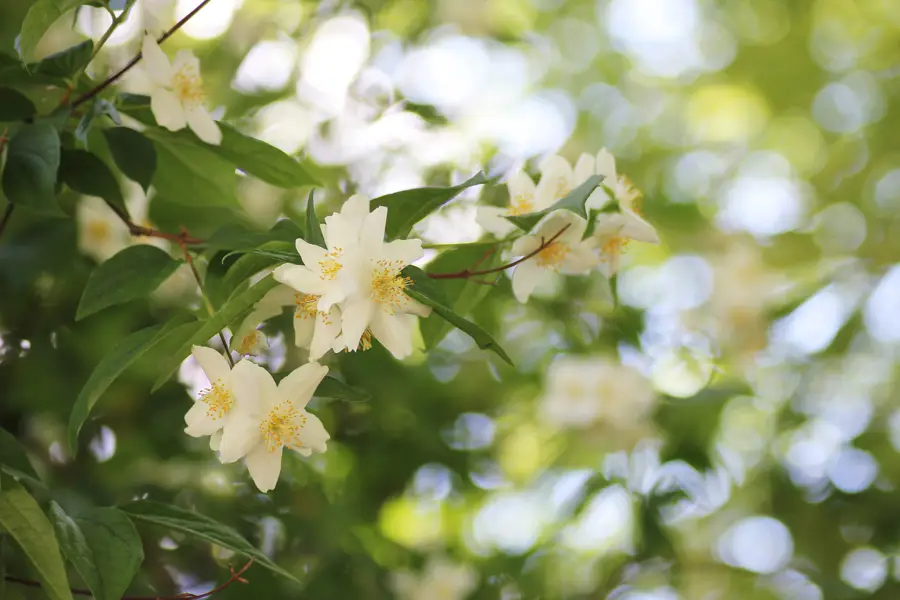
x=236, y=576
x=115, y=76
x=472, y=272
x=134, y=229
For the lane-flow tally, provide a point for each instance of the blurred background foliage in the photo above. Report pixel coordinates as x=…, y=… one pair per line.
x=726, y=428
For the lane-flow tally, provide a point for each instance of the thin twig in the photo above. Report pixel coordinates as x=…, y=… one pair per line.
x=139, y=230
x=9, y=209
x=115, y=76
x=472, y=272
x=236, y=576
x=209, y=307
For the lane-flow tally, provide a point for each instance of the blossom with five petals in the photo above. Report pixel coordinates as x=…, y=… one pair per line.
x=177, y=98
x=269, y=418
x=215, y=406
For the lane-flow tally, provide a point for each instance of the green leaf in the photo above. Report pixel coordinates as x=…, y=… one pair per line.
x=103, y=546
x=131, y=274
x=99, y=106
x=85, y=173
x=313, y=229
x=233, y=309
x=67, y=62
x=200, y=526
x=408, y=207
x=192, y=174
x=15, y=106
x=255, y=261
x=462, y=295
x=233, y=236
x=261, y=160
x=574, y=201
x=32, y=161
x=21, y=516
x=38, y=20
x=14, y=460
x=275, y=255
x=479, y=335
x=335, y=388
x=133, y=153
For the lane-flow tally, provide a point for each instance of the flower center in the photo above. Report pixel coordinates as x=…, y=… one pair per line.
x=388, y=285
x=249, y=342
x=98, y=231
x=329, y=266
x=562, y=188
x=281, y=427
x=521, y=205
x=306, y=306
x=613, y=247
x=218, y=400
x=365, y=342
x=187, y=86
x=552, y=256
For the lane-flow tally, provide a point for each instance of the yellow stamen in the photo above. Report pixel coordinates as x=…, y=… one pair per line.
x=98, y=231
x=388, y=285
x=552, y=256
x=562, y=188
x=187, y=85
x=329, y=266
x=613, y=247
x=218, y=400
x=365, y=342
x=249, y=342
x=522, y=204
x=281, y=427
x=306, y=306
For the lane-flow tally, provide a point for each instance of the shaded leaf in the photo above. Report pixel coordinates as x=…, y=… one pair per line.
x=15, y=106
x=133, y=153
x=85, y=173
x=262, y=160
x=23, y=519
x=131, y=274
x=574, y=201
x=200, y=526
x=66, y=62
x=103, y=546
x=419, y=291
x=331, y=387
x=408, y=207
x=313, y=228
x=14, y=460
x=99, y=106
x=32, y=162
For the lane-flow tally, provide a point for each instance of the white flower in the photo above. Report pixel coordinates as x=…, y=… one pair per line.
x=356, y=282
x=101, y=233
x=177, y=98
x=441, y=580
x=557, y=180
x=567, y=253
x=215, y=406
x=269, y=418
x=582, y=391
x=248, y=339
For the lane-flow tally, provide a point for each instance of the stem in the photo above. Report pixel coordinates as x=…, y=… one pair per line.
x=118, y=74
x=9, y=209
x=209, y=307
x=235, y=577
x=116, y=21
x=468, y=273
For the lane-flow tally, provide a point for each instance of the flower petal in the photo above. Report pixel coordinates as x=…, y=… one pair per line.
x=525, y=278
x=327, y=328
x=203, y=125
x=371, y=235
x=156, y=64
x=313, y=434
x=525, y=245
x=299, y=385
x=580, y=259
x=185, y=60
x=394, y=332
x=342, y=229
x=491, y=218
x=215, y=440
x=239, y=436
x=213, y=364
x=557, y=180
x=584, y=168
x=404, y=252
x=301, y=278
x=521, y=187
x=311, y=254
x=414, y=307
x=167, y=110
x=639, y=230
x=356, y=315
x=198, y=421
x=606, y=166
x=264, y=467
x=303, y=330
x=246, y=380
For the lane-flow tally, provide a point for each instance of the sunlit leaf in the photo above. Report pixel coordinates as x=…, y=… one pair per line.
x=574, y=202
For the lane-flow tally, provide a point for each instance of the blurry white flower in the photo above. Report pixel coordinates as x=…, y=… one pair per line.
x=215, y=405
x=582, y=391
x=440, y=580
x=177, y=98
x=269, y=418
x=101, y=233
x=356, y=283
x=567, y=253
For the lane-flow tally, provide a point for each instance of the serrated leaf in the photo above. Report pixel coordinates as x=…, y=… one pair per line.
x=419, y=291
x=85, y=173
x=233, y=309
x=14, y=460
x=134, y=154
x=191, y=173
x=131, y=274
x=23, y=519
x=462, y=295
x=66, y=62
x=408, y=207
x=335, y=388
x=202, y=527
x=264, y=161
x=15, y=106
x=38, y=20
x=32, y=162
x=103, y=546
x=313, y=228
x=574, y=202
